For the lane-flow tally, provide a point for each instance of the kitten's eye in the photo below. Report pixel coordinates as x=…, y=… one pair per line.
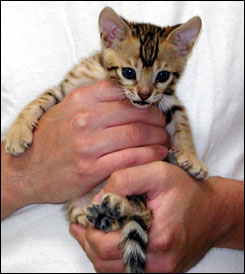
x=162, y=76
x=129, y=73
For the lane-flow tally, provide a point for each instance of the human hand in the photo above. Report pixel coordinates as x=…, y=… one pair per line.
x=82, y=140
x=189, y=217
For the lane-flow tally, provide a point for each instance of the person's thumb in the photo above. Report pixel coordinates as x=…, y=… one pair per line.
x=134, y=180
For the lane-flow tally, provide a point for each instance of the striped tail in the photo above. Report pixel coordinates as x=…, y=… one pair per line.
x=134, y=239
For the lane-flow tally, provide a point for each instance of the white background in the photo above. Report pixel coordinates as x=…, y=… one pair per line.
x=40, y=43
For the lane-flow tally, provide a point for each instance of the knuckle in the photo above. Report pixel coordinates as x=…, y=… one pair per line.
x=117, y=137
x=74, y=96
x=103, y=251
x=170, y=265
x=154, y=113
x=138, y=133
x=167, y=243
x=99, y=266
x=81, y=119
x=83, y=167
x=145, y=112
x=85, y=146
x=129, y=159
x=118, y=177
x=139, y=156
x=78, y=95
x=151, y=154
x=162, y=167
x=164, y=242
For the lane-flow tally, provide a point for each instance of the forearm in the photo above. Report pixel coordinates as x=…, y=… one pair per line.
x=14, y=186
x=231, y=198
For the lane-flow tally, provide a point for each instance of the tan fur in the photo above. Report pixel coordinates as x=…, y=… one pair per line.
x=148, y=50
x=135, y=51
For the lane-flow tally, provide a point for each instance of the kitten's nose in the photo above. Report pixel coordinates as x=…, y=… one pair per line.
x=144, y=96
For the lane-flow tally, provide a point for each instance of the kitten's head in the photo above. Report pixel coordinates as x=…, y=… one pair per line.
x=146, y=60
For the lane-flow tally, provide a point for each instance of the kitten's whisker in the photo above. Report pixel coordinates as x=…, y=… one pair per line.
x=126, y=100
x=158, y=106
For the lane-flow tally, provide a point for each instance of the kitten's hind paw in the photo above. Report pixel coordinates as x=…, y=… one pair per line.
x=97, y=216
x=18, y=139
x=110, y=215
x=115, y=206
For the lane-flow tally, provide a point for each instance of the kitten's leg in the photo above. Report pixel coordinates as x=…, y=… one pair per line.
x=182, y=147
x=20, y=135
x=86, y=73
x=132, y=216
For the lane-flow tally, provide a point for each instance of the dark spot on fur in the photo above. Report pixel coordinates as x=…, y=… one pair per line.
x=170, y=112
x=139, y=220
x=135, y=236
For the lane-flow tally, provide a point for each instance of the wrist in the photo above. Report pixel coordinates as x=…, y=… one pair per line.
x=229, y=204
x=15, y=190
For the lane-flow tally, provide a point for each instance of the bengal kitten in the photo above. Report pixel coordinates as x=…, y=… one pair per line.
x=146, y=61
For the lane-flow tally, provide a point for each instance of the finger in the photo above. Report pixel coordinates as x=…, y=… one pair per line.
x=101, y=266
x=127, y=136
x=119, y=113
x=78, y=232
x=108, y=91
x=102, y=91
x=88, y=238
x=149, y=178
x=159, y=262
x=115, y=266
x=105, y=245
x=130, y=157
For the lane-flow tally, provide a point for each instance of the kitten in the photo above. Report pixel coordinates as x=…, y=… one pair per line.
x=146, y=61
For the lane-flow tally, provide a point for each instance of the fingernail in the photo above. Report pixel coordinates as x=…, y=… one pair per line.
x=163, y=152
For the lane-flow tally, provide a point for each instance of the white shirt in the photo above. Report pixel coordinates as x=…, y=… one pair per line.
x=41, y=41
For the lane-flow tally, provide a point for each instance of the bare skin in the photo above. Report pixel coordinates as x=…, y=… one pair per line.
x=78, y=143
x=189, y=218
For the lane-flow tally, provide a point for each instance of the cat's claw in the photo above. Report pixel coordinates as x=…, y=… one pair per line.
x=190, y=163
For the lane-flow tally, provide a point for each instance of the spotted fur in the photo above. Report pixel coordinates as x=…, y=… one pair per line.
x=149, y=36
x=147, y=50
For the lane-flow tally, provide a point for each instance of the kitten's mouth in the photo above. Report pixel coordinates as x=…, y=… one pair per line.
x=141, y=104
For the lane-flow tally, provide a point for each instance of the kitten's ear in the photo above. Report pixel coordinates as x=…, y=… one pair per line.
x=184, y=36
x=113, y=29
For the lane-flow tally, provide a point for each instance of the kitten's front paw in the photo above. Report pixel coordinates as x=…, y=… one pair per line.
x=18, y=138
x=190, y=163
